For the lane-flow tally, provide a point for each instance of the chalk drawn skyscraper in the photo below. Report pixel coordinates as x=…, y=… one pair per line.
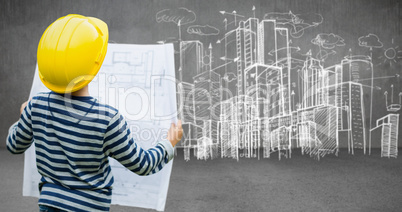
x=191, y=60
x=359, y=69
x=352, y=115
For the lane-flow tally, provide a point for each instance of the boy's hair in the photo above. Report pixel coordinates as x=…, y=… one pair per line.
x=71, y=52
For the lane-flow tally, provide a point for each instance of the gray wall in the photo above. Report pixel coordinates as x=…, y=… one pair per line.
x=22, y=23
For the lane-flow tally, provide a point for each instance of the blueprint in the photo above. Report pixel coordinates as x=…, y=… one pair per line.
x=138, y=80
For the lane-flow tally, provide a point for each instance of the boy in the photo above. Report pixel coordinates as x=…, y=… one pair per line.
x=74, y=134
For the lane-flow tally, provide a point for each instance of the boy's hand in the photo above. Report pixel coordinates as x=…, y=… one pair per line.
x=23, y=106
x=175, y=133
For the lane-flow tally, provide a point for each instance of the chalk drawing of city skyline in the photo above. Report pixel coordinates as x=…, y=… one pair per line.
x=262, y=96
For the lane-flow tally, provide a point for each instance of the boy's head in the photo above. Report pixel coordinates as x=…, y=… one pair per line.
x=71, y=52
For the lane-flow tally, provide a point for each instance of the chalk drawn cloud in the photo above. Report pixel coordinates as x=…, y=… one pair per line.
x=203, y=30
x=308, y=19
x=328, y=41
x=370, y=41
x=180, y=15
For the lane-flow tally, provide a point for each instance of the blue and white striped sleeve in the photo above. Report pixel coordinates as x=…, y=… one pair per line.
x=119, y=145
x=20, y=134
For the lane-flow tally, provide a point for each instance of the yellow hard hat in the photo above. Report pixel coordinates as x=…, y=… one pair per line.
x=71, y=52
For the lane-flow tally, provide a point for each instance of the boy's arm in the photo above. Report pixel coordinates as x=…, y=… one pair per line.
x=20, y=134
x=120, y=145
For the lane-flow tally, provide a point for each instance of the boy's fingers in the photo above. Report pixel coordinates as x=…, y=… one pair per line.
x=179, y=124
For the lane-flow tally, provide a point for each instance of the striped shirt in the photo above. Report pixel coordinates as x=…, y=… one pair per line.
x=73, y=139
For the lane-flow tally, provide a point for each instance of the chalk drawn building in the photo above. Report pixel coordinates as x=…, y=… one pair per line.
x=359, y=69
x=352, y=116
x=387, y=128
